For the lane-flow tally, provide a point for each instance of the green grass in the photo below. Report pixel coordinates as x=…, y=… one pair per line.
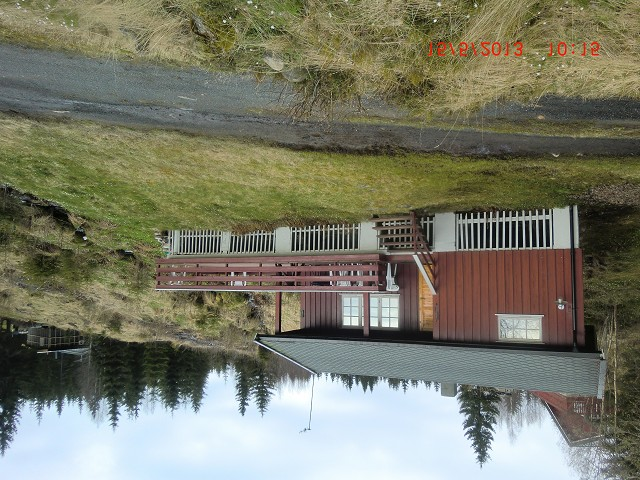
x=128, y=183
x=124, y=185
x=543, y=127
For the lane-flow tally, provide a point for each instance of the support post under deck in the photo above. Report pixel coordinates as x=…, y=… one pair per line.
x=366, y=314
x=278, y=326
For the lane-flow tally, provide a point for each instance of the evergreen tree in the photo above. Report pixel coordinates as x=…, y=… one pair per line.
x=134, y=391
x=9, y=418
x=156, y=362
x=193, y=369
x=243, y=388
x=405, y=385
x=16, y=365
x=366, y=382
x=262, y=390
x=113, y=366
x=347, y=381
x=393, y=383
x=479, y=405
x=170, y=387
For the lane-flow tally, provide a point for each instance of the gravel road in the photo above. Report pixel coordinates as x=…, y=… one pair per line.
x=43, y=83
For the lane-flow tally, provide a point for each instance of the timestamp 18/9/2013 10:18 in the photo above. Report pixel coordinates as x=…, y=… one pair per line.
x=515, y=49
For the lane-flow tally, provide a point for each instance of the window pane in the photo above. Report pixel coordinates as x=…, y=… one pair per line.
x=518, y=323
x=533, y=324
x=533, y=334
x=520, y=334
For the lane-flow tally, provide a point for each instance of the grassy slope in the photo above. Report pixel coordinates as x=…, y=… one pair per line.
x=131, y=183
x=125, y=184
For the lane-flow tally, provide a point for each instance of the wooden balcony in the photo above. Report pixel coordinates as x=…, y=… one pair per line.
x=307, y=273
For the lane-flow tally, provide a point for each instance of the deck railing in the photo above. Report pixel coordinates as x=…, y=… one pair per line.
x=326, y=238
x=502, y=230
x=51, y=337
x=255, y=242
x=195, y=242
x=343, y=273
x=497, y=230
x=214, y=242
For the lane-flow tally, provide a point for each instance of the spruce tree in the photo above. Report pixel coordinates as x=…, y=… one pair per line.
x=479, y=405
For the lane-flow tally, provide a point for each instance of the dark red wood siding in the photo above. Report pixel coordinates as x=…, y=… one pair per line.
x=324, y=309
x=474, y=286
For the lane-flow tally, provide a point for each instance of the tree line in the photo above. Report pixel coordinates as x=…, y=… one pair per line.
x=117, y=378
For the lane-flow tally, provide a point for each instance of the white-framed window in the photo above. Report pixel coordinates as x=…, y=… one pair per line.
x=352, y=310
x=519, y=328
x=383, y=311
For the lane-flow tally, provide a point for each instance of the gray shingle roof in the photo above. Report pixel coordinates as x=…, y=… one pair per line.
x=564, y=372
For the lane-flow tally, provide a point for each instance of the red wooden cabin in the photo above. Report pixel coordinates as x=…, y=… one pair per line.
x=501, y=280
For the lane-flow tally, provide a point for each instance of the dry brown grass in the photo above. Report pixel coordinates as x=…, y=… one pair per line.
x=344, y=49
x=290, y=312
x=86, y=286
x=356, y=47
x=119, y=28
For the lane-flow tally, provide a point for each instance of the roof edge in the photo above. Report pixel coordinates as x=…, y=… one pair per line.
x=257, y=341
x=467, y=346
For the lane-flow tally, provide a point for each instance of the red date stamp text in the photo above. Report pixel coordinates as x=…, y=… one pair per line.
x=506, y=49
x=473, y=49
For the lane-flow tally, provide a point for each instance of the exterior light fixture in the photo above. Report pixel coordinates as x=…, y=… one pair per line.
x=561, y=303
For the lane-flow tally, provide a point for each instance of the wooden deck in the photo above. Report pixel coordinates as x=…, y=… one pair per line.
x=305, y=273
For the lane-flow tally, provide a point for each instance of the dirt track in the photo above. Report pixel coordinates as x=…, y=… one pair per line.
x=51, y=84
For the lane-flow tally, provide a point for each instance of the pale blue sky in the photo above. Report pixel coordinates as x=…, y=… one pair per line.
x=380, y=435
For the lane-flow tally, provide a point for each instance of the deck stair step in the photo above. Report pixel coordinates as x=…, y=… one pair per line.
x=400, y=218
x=404, y=233
x=396, y=233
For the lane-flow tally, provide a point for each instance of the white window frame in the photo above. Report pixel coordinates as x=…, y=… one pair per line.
x=519, y=328
x=352, y=302
x=376, y=309
x=378, y=319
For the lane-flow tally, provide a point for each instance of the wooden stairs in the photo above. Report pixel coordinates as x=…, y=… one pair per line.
x=404, y=234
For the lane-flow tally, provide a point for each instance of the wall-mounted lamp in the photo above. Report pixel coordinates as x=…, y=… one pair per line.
x=561, y=303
